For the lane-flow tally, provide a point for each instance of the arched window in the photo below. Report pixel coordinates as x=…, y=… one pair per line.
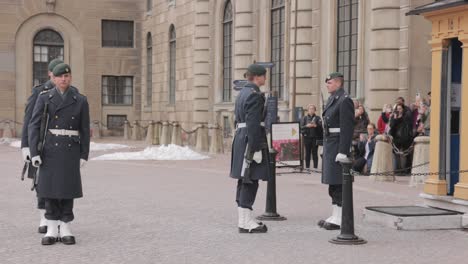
x=277, y=46
x=149, y=70
x=346, y=61
x=47, y=45
x=227, y=52
x=172, y=64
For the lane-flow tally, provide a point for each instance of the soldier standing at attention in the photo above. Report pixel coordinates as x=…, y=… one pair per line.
x=338, y=125
x=250, y=141
x=24, y=136
x=65, y=150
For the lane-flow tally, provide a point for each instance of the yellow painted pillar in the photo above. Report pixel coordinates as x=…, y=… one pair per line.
x=461, y=188
x=434, y=185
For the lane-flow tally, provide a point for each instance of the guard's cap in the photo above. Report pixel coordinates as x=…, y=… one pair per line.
x=54, y=63
x=334, y=75
x=255, y=69
x=61, y=69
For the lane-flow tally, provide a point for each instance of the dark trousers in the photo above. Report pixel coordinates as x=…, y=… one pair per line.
x=246, y=193
x=40, y=203
x=336, y=193
x=359, y=164
x=59, y=209
x=310, y=144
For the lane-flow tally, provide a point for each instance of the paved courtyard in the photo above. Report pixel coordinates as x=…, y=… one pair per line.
x=184, y=212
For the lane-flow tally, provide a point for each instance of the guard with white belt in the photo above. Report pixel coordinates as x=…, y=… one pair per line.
x=250, y=159
x=338, y=127
x=59, y=137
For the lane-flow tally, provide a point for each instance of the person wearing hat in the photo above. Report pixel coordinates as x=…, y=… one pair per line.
x=65, y=150
x=338, y=123
x=249, y=141
x=25, y=150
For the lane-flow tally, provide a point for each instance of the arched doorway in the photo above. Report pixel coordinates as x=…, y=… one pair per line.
x=47, y=45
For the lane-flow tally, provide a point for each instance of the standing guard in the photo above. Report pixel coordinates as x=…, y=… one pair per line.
x=250, y=159
x=24, y=137
x=338, y=126
x=62, y=115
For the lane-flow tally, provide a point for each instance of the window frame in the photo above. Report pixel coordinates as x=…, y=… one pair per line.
x=118, y=80
x=347, y=42
x=117, y=26
x=227, y=23
x=149, y=70
x=277, y=47
x=40, y=67
x=172, y=61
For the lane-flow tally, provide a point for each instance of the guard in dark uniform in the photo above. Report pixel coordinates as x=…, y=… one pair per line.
x=338, y=125
x=24, y=136
x=250, y=137
x=65, y=150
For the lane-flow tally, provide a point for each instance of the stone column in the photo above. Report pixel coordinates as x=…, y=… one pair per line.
x=156, y=134
x=150, y=133
x=165, y=133
x=127, y=131
x=384, y=55
x=202, y=139
x=176, y=134
x=244, y=37
x=135, y=131
x=420, y=156
x=7, y=132
x=96, y=129
x=383, y=159
x=307, y=54
x=434, y=184
x=201, y=62
x=461, y=188
x=216, y=143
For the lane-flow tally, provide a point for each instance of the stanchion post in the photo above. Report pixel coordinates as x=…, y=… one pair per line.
x=270, y=208
x=347, y=236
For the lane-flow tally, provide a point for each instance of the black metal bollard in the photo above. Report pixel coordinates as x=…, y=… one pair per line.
x=347, y=236
x=270, y=209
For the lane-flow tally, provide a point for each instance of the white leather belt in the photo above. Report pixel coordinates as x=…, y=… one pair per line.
x=334, y=130
x=64, y=132
x=242, y=125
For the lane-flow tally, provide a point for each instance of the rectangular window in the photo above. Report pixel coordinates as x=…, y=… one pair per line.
x=117, y=33
x=227, y=62
x=277, y=47
x=172, y=72
x=347, y=42
x=116, y=122
x=117, y=90
x=149, y=76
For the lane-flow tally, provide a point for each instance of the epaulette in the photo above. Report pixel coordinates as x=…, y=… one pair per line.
x=45, y=91
x=253, y=90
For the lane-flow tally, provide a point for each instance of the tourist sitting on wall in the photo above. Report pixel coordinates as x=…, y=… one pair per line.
x=366, y=147
x=423, y=125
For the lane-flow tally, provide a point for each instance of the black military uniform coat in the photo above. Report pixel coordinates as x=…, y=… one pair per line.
x=249, y=109
x=27, y=118
x=338, y=113
x=59, y=174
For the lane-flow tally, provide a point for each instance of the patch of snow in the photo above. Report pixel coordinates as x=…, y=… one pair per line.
x=102, y=146
x=170, y=152
x=13, y=142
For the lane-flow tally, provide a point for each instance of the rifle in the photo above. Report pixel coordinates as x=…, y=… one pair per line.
x=40, y=145
x=248, y=159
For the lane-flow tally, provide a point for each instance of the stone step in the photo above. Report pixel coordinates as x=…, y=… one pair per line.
x=413, y=217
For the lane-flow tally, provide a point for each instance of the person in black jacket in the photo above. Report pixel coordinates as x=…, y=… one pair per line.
x=250, y=136
x=402, y=133
x=65, y=151
x=312, y=131
x=25, y=140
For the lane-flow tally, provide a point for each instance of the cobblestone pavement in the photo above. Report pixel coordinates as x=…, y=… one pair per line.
x=184, y=212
